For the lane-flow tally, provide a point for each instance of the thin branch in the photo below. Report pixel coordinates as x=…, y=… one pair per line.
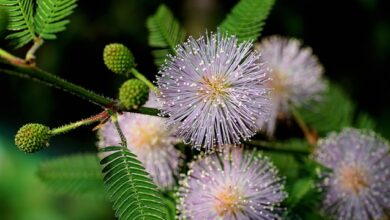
x=310, y=136
x=114, y=119
x=25, y=71
x=71, y=126
x=141, y=77
x=30, y=55
x=276, y=147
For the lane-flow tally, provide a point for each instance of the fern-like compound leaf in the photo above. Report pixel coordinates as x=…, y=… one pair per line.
x=333, y=113
x=129, y=186
x=21, y=21
x=77, y=175
x=164, y=33
x=246, y=19
x=50, y=17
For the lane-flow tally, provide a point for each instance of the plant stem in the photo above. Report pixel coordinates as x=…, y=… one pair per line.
x=11, y=58
x=277, y=147
x=310, y=137
x=53, y=80
x=114, y=119
x=63, y=129
x=24, y=71
x=141, y=77
x=30, y=55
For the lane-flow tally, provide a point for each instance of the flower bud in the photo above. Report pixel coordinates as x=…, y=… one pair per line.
x=118, y=58
x=133, y=94
x=32, y=138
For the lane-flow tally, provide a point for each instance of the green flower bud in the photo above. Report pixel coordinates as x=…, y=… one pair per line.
x=118, y=58
x=32, y=137
x=133, y=94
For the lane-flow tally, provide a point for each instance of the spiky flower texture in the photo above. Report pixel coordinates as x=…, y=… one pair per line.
x=231, y=185
x=213, y=90
x=296, y=75
x=118, y=58
x=151, y=140
x=358, y=187
x=32, y=137
x=133, y=93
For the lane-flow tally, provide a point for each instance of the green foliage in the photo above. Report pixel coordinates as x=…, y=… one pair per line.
x=20, y=20
x=365, y=121
x=77, y=175
x=50, y=15
x=299, y=190
x=332, y=113
x=49, y=19
x=129, y=186
x=164, y=34
x=169, y=198
x=304, y=200
x=285, y=160
x=3, y=20
x=246, y=19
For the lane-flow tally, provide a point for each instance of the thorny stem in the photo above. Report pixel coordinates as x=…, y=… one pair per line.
x=310, y=136
x=141, y=77
x=114, y=119
x=96, y=118
x=17, y=67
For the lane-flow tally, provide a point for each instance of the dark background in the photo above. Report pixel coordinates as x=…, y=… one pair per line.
x=350, y=37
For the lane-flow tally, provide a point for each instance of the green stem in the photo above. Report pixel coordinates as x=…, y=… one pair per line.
x=30, y=55
x=141, y=77
x=277, y=147
x=71, y=126
x=11, y=58
x=18, y=68
x=53, y=80
x=310, y=137
x=114, y=119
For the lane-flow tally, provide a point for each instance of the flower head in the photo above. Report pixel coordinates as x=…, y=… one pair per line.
x=231, y=185
x=151, y=140
x=358, y=186
x=296, y=75
x=213, y=90
x=33, y=137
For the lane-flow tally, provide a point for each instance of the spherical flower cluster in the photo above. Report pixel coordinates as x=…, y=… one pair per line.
x=151, y=140
x=133, y=93
x=32, y=137
x=213, y=90
x=231, y=185
x=118, y=58
x=296, y=75
x=358, y=187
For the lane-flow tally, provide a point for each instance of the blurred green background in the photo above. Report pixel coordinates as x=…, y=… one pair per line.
x=351, y=39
